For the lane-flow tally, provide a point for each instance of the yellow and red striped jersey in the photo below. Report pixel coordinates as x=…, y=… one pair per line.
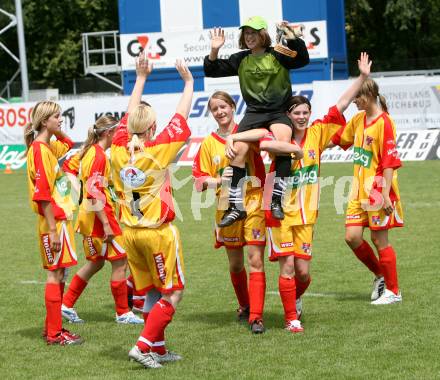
x=210, y=161
x=46, y=181
x=144, y=186
x=302, y=195
x=71, y=164
x=96, y=184
x=374, y=149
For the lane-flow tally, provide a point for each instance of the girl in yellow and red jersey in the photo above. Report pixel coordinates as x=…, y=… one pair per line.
x=374, y=199
x=210, y=168
x=71, y=167
x=102, y=236
x=142, y=181
x=50, y=200
x=291, y=238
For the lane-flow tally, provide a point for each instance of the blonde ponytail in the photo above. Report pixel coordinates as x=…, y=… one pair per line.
x=102, y=124
x=140, y=120
x=383, y=103
x=29, y=135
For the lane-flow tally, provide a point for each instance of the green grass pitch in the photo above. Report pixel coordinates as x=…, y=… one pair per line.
x=345, y=337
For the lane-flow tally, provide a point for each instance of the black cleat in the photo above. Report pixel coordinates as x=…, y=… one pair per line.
x=243, y=314
x=257, y=327
x=277, y=210
x=231, y=215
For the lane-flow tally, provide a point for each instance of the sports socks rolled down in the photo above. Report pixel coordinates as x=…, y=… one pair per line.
x=236, y=189
x=257, y=292
x=119, y=292
x=52, y=298
x=287, y=291
x=282, y=171
x=239, y=282
x=154, y=330
x=74, y=291
x=366, y=255
x=387, y=260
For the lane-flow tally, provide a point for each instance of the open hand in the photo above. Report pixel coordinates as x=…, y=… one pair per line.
x=217, y=36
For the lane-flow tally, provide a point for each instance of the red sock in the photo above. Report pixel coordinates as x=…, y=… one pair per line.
x=257, y=292
x=160, y=316
x=52, y=298
x=239, y=281
x=159, y=345
x=366, y=254
x=387, y=259
x=287, y=292
x=74, y=291
x=119, y=291
x=301, y=287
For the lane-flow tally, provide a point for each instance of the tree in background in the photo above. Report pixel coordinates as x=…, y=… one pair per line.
x=398, y=34
x=53, y=36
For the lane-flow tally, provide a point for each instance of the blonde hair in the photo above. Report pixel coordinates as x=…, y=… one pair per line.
x=222, y=95
x=102, y=124
x=40, y=113
x=370, y=89
x=139, y=121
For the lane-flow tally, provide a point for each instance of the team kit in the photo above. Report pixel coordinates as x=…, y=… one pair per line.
x=125, y=211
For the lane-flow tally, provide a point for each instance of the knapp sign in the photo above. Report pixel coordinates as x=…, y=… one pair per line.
x=164, y=48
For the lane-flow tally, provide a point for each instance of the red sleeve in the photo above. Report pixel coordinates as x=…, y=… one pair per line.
x=199, y=175
x=121, y=135
x=42, y=190
x=268, y=137
x=66, y=140
x=96, y=180
x=334, y=117
x=390, y=157
x=336, y=139
x=70, y=165
x=177, y=130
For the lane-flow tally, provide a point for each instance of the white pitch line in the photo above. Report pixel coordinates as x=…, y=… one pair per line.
x=276, y=293
x=31, y=282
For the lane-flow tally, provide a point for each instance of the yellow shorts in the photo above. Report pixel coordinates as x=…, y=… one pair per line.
x=249, y=231
x=155, y=257
x=95, y=249
x=290, y=241
x=66, y=257
x=375, y=220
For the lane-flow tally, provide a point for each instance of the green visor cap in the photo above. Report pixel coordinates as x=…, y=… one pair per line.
x=255, y=22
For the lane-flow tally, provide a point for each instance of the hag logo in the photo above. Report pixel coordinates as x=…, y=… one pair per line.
x=307, y=175
x=46, y=247
x=160, y=267
x=155, y=49
x=362, y=157
x=92, y=249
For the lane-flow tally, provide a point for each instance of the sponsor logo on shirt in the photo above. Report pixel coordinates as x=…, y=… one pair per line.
x=62, y=185
x=362, y=157
x=46, y=247
x=132, y=176
x=160, y=267
x=352, y=217
x=369, y=140
x=312, y=153
x=174, y=127
x=307, y=175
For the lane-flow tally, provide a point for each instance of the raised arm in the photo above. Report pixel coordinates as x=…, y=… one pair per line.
x=184, y=105
x=217, y=41
x=364, y=65
x=143, y=70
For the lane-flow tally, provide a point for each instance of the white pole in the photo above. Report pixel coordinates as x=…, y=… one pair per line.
x=22, y=51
